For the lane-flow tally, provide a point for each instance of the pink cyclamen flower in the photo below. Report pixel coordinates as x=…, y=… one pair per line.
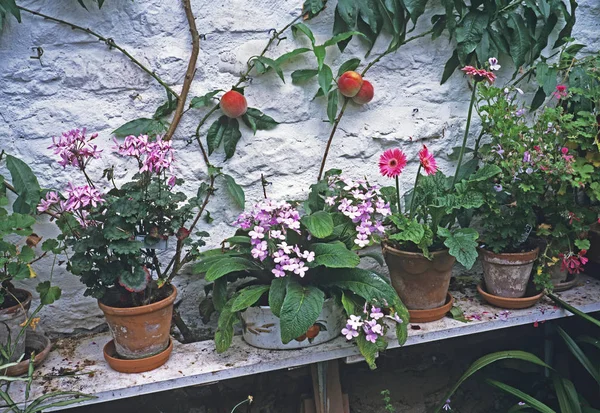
x=428, y=161
x=392, y=162
x=479, y=74
x=560, y=92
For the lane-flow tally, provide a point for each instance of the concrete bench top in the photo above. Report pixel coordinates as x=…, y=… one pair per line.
x=77, y=364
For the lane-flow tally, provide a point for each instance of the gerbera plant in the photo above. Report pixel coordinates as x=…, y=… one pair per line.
x=293, y=256
x=119, y=234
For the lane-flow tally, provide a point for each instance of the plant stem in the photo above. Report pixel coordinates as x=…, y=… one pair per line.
x=414, y=193
x=109, y=42
x=398, y=194
x=464, y=143
x=364, y=72
x=336, y=123
x=189, y=74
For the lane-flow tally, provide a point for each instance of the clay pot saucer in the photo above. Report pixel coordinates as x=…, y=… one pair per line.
x=509, y=303
x=433, y=314
x=36, y=342
x=138, y=365
x=568, y=284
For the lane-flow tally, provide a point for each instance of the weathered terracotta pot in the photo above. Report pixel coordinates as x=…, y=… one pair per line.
x=262, y=329
x=141, y=332
x=11, y=319
x=135, y=366
x=507, y=275
x=510, y=303
x=422, y=284
x=557, y=275
x=36, y=342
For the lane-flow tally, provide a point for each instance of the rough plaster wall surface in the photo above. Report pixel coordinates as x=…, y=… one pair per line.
x=80, y=82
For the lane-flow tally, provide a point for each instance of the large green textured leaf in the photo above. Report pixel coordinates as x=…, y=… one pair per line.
x=248, y=297
x=219, y=293
x=26, y=185
x=235, y=191
x=450, y=67
x=226, y=130
x=300, y=310
x=532, y=402
x=135, y=281
x=214, y=135
x=277, y=294
x=257, y=120
x=319, y=224
x=363, y=283
x=469, y=34
x=487, y=360
x=141, y=126
x=334, y=255
x=520, y=40
x=348, y=65
x=227, y=320
x=228, y=265
x=20, y=224
x=408, y=230
x=370, y=350
x=485, y=172
x=415, y=8
x=312, y=8
x=48, y=294
x=462, y=244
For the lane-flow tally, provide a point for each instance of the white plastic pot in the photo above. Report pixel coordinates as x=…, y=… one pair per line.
x=261, y=328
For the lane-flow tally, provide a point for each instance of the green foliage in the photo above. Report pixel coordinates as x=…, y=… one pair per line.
x=277, y=294
x=227, y=320
x=26, y=186
x=319, y=224
x=256, y=120
x=228, y=265
x=204, y=100
x=48, y=294
x=335, y=255
x=300, y=310
x=224, y=130
x=248, y=296
x=235, y=191
x=312, y=8
x=462, y=244
x=141, y=126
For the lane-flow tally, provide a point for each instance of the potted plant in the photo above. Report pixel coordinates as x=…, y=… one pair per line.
x=17, y=254
x=115, y=236
x=298, y=263
x=423, y=241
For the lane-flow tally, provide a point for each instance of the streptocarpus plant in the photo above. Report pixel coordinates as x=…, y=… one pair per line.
x=115, y=234
x=296, y=259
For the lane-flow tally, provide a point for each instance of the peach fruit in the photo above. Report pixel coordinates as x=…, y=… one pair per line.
x=365, y=94
x=350, y=83
x=233, y=104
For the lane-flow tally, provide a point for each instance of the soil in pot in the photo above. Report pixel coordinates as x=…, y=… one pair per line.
x=507, y=274
x=13, y=313
x=262, y=329
x=422, y=284
x=141, y=332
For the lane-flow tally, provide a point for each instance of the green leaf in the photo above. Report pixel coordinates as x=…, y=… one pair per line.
x=325, y=78
x=290, y=55
x=48, y=294
x=462, y=244
x=348, y=65
x=484, y=173
x=319, y=224
x=373, y=255
x=125, y=247
x=228, y=265
x=574, y=310
x=534, y=403
x=341, y=37
x=205, y=100
x=312, y=8
x=368, y=350
x=141, y=126
x=215, y=133
x=277, y=294
x=364, y=283
x=320, y=53
x=248, y=297
x=268, y=62
x=408, y=230
x=235, y=191
x=450, y=67
x=166, y=108
x=300, y=310
x=487, y=360
x=415, y=8
x=26, y=185
x=20, y=224
x=227, y=320
x=470, y=32
x=334, y=255
x=255, y=119
x=219, y=293
x=12, y=8
x=457, y=314
x=301, y=27
x=231, y=136
x=135, y=281
x=538, y=99
x=564, y=401
x=579, y=354
x=302, y=75
x=520, y=40
x=332, y=105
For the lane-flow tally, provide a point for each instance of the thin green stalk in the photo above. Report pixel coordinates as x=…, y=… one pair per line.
x=398, y=193
x=414, y=193
x=464, y=143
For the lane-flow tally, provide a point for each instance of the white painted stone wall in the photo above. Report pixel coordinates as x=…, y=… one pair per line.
x=81, y=83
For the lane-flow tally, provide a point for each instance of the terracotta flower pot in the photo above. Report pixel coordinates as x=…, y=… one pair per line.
x=262, y=329
x=507, y=275
x=141, y=332
x=135, y=366
x=36, y=342
x=422, y=284
x=558, y=275
x=11, y=319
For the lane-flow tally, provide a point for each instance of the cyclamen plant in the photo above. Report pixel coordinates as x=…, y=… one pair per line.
x=115, y=233
x=297, y=259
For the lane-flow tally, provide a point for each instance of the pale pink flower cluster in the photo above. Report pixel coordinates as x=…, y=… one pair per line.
x=370, y=323
x=74, y=148
x=271, y=221
x=154, y=156
x=363, y=204
x=79, y=199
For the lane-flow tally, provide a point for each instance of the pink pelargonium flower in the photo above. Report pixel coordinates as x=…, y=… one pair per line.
x=560, y=92
x=82, y=196
x=479, y=74
x=74, y=148
x=392, y=162
x=428, y=161
x=51, y=199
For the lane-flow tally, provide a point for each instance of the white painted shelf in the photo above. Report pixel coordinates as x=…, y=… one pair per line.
x=198, y=363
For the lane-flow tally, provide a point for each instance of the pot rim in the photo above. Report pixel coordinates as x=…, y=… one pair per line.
x=24, y=304
x=144, y=309
x=484, y=293
x=534, y=251
x=385, y=245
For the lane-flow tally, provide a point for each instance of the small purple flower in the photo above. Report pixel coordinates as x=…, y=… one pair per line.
x=74, y=148
x=520, y=112
x=529, y=170
x=498, y=188
x=349, y=332
x=52, y=198
x=172, y=181
x=499, y=151
x=81, y=197
x=355, y=322
x=526, y=157
x=447, y=405
x=494, y=63
x=376, y=313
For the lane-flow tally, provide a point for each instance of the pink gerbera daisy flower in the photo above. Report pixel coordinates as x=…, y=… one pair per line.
x=479, y=74
x=392, y=162
x=428, y=161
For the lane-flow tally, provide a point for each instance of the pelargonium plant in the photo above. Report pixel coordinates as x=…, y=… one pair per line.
x=436, y=206
x=116, y=234
x=298, y=255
